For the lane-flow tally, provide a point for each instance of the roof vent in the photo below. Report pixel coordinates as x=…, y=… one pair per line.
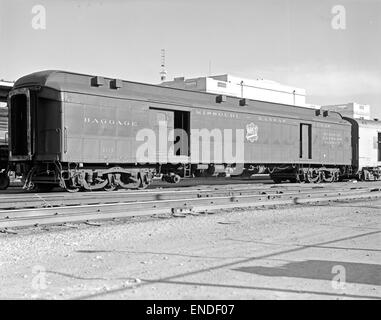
x=97, y=81
x=116, y=84
x=221, y=98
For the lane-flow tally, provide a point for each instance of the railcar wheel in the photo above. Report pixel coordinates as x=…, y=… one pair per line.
x=328, y=177
x=143, y=185
x=111, y=185
x=313, y=176
x=176, y=178
x=71, y=188
x=4, y=181
x=126, y=181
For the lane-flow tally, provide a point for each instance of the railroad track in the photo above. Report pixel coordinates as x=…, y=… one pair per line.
x=54, y=199
x=25, y=210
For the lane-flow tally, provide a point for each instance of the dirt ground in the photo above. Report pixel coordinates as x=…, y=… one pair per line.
x=302, y=252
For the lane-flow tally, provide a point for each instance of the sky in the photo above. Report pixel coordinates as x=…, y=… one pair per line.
x=335, y=55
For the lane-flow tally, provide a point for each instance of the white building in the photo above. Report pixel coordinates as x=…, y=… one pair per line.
x=351, y=110
x=264, y=90
x=5, y=87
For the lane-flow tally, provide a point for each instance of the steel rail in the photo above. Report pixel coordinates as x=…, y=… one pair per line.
x=82, y=213
x=67, y=199
x=6, y=196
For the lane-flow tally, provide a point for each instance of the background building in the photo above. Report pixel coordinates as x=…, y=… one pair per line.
x=260, y=89
x=5, y=87
x=351, y=110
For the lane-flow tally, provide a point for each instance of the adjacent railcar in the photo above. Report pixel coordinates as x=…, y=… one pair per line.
x=89, y=132
x=366, y=149
x=4, y=179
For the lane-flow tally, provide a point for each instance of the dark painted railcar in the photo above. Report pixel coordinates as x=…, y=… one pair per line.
x=80, y=131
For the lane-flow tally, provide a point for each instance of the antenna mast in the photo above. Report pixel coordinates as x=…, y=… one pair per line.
x=163, y=72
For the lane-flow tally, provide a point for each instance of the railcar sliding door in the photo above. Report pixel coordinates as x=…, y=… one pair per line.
x=182, y=128
x=175, y=125
x=163, y=127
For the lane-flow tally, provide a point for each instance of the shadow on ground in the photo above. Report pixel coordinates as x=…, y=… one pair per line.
x=323, y=270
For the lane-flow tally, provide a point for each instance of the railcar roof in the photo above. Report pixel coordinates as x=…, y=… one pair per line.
x=81, y=83
x=368, y=123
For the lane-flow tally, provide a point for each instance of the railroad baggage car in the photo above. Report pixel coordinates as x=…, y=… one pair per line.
x=89, y=132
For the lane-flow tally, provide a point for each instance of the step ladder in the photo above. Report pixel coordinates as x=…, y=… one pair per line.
x=187, y=170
